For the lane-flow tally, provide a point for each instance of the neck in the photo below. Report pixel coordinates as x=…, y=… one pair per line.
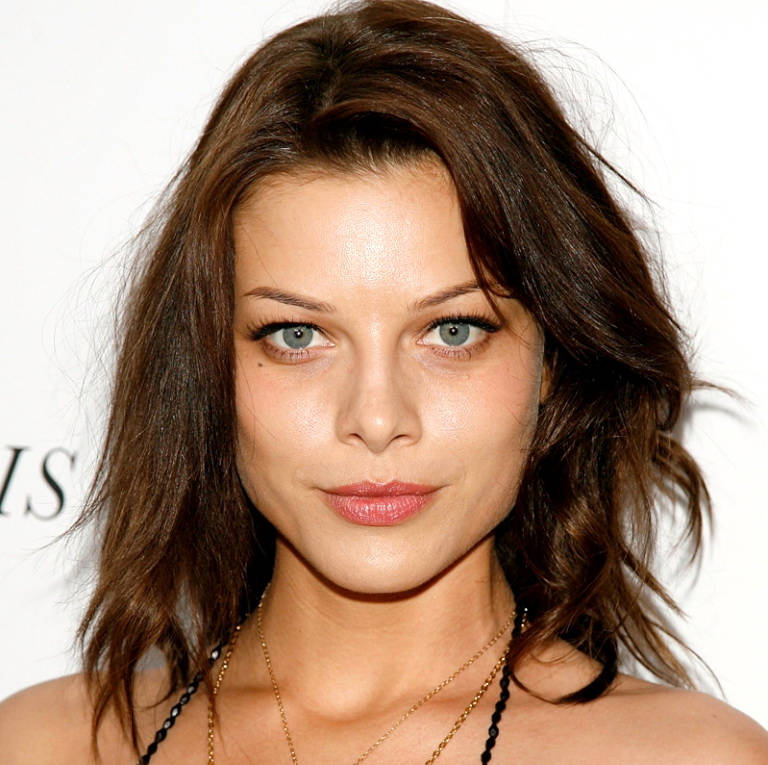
x=346, y=650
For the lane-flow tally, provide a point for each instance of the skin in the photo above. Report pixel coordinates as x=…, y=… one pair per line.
x=375, y=396
x=361, y=621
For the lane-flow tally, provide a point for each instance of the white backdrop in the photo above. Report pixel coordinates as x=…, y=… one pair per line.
x=100, y=102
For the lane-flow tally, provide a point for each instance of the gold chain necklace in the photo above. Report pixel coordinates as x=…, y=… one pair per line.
x=216, y=687
x=283, y=718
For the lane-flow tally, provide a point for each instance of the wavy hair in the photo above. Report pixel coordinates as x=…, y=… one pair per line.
x=183, y=554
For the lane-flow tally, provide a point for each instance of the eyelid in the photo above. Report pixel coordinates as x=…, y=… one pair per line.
x=475, y=319
x=478, y=320
x=269, y=328
x=261, y=333
x=462, y=352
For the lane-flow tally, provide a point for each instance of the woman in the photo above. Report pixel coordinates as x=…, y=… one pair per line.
x=394, y=402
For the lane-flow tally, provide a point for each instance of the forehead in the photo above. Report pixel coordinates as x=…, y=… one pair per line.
x=398, y=227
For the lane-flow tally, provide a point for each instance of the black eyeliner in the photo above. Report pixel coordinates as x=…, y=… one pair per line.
x=475, y=319
x=275, y=326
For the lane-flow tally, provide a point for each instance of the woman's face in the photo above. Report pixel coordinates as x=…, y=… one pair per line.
x=391, y=368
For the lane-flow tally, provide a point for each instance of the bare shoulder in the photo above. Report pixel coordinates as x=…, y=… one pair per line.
x=51, y=723
x=635, y=722
x=678, y=726
x=47, y=723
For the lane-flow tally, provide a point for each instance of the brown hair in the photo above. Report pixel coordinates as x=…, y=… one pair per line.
x=183, y=553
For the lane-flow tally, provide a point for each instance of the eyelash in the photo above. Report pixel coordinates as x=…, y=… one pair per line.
x=258, y=333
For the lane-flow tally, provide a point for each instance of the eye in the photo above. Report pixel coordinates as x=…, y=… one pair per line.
x=459, y=335
x=452, y=336
x=456, y=332
x=289, y=339
x=297, y=337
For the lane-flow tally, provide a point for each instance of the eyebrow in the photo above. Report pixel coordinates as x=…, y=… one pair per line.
x=302, y=301
x=445, y=295
x=290, y=298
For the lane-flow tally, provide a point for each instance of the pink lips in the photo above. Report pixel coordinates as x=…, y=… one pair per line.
x=379, y=504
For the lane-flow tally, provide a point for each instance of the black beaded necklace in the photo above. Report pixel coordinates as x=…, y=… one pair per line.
x=194, y=684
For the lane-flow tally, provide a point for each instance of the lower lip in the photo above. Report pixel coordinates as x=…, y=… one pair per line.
x=378, y=511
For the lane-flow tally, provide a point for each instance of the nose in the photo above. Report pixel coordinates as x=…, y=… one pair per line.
x=379, y=403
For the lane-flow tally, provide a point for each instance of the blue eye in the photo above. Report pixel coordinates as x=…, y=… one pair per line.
x=297, y=337
x=457, y=337
x=455, y=331
x=289, y=339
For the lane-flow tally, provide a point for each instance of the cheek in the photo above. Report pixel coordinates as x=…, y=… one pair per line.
x=497, y=407
x=276, y=420
x=486, y=434
x=472, y=425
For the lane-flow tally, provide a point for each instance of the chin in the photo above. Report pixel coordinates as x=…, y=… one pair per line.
x=382, y=570
x=376, y=582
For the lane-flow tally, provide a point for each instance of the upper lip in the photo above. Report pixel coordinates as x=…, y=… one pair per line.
x=372, y=489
